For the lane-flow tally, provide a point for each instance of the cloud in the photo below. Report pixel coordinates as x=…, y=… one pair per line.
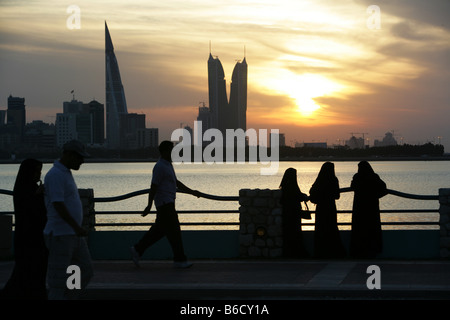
x=405, y=30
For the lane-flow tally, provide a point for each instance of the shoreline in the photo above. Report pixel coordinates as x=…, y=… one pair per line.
x=284, y=159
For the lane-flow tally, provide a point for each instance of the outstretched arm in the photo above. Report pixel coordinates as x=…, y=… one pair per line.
x=188, y=190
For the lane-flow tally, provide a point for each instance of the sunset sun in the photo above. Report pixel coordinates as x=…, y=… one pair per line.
x=307, y=87
x=302, y=89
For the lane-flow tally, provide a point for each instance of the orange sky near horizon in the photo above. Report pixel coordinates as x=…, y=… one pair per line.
x=317, y=70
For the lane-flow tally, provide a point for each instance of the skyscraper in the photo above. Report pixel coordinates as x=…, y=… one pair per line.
x=16, y=115
x=129, y=125
x=224, y=114
x=218, y=101
x=97, y=113
x=116, y=104
x=238, y=96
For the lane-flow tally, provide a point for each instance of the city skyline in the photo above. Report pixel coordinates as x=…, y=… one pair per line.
x=317, y=70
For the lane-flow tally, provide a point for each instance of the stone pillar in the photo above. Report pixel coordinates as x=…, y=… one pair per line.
x=87, y=199
x=444, y=222
x=260, y=223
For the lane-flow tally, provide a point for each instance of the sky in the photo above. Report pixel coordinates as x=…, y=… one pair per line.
x=318, y=71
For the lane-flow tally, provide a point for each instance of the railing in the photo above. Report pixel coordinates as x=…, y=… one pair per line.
x=145, y=191
x=236, y=198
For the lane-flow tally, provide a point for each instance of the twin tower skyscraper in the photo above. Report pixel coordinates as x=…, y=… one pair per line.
x=226, y=114
x=222, y=114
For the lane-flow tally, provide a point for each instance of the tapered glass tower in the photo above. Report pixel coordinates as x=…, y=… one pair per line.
x=116, y=104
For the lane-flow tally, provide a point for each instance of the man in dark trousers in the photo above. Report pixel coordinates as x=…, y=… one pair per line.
x=163, y=190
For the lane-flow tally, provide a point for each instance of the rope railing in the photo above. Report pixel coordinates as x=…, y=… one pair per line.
x=401, y=194
x=146, y=191
x=7, y=192
x=236, y=198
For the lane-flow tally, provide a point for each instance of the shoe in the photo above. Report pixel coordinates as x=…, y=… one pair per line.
x=182, y=264
x=135, y=256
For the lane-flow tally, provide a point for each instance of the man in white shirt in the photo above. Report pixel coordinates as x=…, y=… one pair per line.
x=163, y=190
x=65, y=238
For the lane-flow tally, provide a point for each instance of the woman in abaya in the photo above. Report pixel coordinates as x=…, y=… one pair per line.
x=291, y=199
x=324, y=193
x=28, y=279
x=366, y=237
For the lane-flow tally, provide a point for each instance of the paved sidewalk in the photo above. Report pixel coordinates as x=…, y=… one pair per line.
x=265, y=279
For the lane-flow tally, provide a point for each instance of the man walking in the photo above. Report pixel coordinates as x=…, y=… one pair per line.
x=65, y=238
x=163, y=190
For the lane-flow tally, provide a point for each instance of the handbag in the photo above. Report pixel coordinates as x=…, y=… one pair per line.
x=305, y=214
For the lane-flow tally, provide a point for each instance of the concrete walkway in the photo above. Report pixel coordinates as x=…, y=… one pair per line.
x=265, y=280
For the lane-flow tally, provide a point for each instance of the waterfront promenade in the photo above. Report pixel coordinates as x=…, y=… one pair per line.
x=264, y=279
x=415, y=266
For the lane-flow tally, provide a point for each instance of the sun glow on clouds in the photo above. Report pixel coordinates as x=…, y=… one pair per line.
x=302, y=88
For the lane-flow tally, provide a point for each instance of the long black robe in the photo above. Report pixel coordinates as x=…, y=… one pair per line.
x=293, y=244
x=366, y=235
x=28, y=279
x=327, y=240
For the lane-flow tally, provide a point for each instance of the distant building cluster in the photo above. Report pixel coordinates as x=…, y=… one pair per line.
x=388, y=140
x=82, y=121
x=79, y=120
x=16, y=134
x=352, y=143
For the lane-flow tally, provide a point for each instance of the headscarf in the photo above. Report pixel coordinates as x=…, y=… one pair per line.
x=26, y=177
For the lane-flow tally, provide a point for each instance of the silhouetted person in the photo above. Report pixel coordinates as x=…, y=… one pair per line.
x=366, y=238
x=324, y=193
x=291, y=199
x=163, y=190
x=64, y=235
x=28, y=279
